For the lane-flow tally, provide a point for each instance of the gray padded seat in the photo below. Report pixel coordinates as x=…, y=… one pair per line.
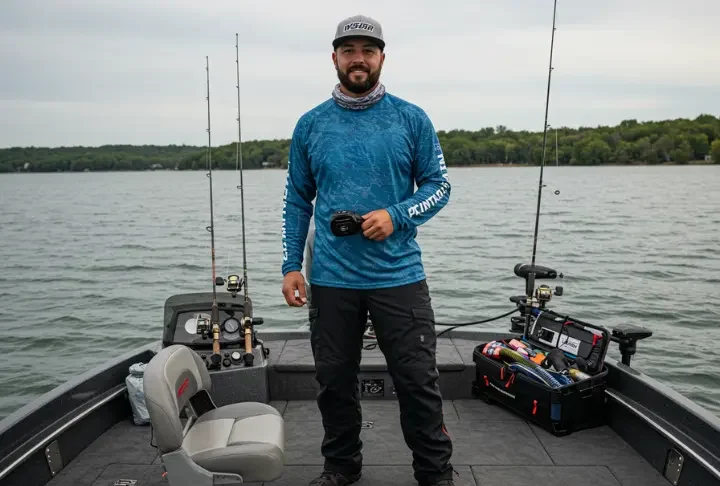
x=247, y=439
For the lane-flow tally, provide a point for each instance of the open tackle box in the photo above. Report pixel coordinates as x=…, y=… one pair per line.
x=553, y=375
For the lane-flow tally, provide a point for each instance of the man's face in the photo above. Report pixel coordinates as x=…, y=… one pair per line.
x=358, y=63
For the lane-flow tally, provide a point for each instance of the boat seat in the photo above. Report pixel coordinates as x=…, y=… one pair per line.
x=233, y=444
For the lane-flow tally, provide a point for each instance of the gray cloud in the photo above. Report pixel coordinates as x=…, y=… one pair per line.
x=94, y=72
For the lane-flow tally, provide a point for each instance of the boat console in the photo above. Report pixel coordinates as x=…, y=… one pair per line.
x=234, y=376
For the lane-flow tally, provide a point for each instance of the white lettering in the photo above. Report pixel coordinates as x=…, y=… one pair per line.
x=284, y=214
x=437, y=196
x=443, y=167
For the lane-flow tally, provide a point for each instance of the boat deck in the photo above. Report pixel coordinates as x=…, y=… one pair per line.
x=491, y=447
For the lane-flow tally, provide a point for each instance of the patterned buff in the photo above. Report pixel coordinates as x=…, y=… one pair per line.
x=358, y=103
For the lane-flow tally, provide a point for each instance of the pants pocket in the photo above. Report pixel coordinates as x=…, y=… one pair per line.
x=422, y=340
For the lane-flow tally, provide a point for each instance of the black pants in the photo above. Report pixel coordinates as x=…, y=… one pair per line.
x=405, y=328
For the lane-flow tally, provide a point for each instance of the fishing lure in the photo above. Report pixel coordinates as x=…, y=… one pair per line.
x=517, y=367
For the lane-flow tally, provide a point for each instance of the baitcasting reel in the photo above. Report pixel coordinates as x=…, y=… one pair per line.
x=234, y=284
x=345, y=223
x=544, y=293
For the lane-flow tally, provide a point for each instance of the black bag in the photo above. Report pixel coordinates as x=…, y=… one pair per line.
x=562, y=409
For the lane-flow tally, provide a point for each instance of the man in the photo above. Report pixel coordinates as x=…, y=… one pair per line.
x=363, y=150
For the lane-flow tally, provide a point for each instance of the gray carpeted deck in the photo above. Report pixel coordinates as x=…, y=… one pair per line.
x=491, y=447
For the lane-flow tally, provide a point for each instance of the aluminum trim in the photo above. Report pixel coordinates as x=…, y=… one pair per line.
x=60, y=430
x=668, y=435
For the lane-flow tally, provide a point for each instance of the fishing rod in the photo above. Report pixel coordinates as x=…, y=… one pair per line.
x=545, y=126
x=534, y=272
x=214, y=326
x=247, y=305
x=234, y=282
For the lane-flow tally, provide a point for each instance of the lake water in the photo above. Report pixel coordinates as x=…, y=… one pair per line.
x=88, y=259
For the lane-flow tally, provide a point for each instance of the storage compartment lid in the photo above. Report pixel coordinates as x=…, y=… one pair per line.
x=577, y=339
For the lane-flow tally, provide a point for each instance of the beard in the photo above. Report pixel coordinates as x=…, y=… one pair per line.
x=358, y=87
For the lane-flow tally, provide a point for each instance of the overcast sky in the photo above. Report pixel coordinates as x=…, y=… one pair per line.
x=92, y=72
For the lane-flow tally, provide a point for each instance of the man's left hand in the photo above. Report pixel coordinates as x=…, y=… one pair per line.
x=377, y=225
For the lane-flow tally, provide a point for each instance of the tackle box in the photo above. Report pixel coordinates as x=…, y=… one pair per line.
x=560, y=410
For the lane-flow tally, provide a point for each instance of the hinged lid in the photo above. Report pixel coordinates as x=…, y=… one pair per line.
x=577, y=339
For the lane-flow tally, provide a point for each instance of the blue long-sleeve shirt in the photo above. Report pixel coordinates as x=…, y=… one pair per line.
x=362, y=160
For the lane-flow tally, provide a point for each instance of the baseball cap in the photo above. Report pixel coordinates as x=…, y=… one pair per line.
x=359, y=26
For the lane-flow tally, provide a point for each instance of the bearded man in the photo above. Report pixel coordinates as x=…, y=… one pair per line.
x=364, y=150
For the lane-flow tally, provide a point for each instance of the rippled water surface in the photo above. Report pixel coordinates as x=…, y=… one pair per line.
x=88, y=260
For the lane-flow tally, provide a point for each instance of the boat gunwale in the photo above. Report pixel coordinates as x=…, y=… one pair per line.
x=21, y=429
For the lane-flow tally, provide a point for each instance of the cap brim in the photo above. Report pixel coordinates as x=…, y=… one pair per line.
x=337, y=42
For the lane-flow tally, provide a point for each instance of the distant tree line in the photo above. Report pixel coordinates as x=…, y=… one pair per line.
x=104, y=158
x=678, y=141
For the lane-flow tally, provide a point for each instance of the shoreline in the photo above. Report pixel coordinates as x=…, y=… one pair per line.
x=695, y=163
x=634, y=164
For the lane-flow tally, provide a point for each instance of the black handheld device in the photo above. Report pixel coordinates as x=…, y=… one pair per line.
x=345, y=223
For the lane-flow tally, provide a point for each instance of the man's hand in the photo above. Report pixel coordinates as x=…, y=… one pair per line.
x=377, y=225
x=294, y=281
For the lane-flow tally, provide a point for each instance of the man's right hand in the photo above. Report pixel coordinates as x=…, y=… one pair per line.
x=291, y=282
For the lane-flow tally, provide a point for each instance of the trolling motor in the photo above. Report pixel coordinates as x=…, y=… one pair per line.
x=627, y=337
x=530, y=273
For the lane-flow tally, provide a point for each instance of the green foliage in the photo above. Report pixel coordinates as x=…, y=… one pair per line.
x=104, y=158
x=715, y=151
x=272, y=153
x=677, y=141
